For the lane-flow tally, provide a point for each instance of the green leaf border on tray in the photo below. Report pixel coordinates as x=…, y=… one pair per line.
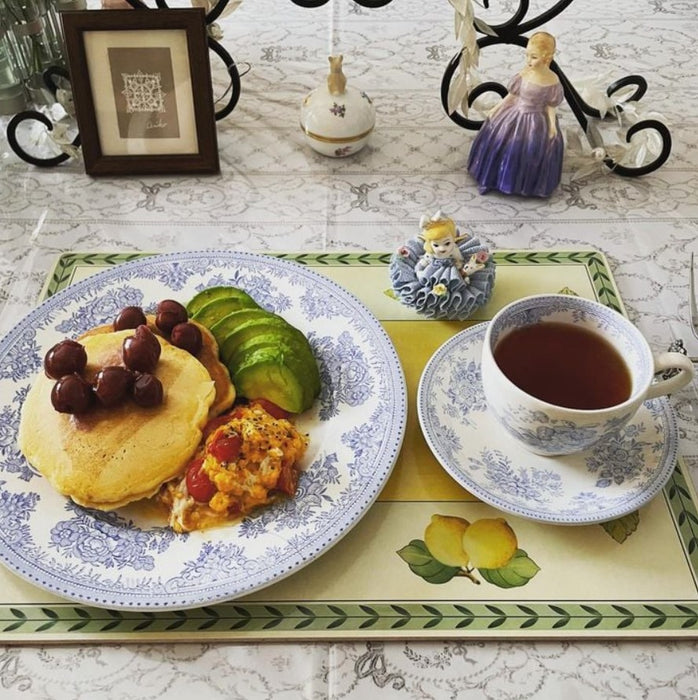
x=340, y=618
x=594, y=262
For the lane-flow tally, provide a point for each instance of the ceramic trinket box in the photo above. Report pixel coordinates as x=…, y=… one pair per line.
x=337, y=118
x=441, y=273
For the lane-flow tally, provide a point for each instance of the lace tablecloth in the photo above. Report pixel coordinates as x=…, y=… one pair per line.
x=274, y=194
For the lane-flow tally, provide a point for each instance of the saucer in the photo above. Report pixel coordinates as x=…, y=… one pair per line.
x=609, y=480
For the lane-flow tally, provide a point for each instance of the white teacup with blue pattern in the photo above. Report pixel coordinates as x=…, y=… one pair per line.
x=546, y=429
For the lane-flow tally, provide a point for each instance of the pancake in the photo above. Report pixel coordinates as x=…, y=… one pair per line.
x=107, y=458
x=225, y=391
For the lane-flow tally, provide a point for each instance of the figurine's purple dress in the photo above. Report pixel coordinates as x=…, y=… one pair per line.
x=512, y=151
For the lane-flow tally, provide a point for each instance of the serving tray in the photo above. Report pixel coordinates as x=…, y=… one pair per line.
x=572, y=582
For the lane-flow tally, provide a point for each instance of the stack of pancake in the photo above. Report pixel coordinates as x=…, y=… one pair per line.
x=106, y=458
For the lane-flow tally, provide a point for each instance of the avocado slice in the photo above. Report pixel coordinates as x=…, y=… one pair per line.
x=251, y=328
x=210, y=294
x=294, y=350
x=223, y=328
x=255, y=335
x=266, y=356
x=209, y=314
x=266, y=374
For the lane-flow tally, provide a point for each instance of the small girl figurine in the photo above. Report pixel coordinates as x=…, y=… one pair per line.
x=441, y=273
x=518, y=149
x=441, y=241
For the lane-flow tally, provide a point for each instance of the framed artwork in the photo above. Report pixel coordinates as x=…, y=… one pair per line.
x=141, y=83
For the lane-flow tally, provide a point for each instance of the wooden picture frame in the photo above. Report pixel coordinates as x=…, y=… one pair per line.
x=142, y=90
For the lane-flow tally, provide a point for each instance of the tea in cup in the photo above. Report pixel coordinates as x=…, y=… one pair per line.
x=560, y=372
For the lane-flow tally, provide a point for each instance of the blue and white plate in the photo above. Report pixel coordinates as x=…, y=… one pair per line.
x=611, y=479
x=129, y=559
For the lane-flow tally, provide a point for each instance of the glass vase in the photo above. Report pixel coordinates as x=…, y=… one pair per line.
x=37, y=40
x=13, y=97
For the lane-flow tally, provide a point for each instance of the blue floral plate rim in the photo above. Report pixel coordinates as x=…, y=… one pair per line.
x=603, y=483
x=119, y=561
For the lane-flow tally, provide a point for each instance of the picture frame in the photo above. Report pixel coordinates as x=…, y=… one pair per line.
x=141, y=82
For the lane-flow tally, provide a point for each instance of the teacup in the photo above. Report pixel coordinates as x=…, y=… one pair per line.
x=550, y=427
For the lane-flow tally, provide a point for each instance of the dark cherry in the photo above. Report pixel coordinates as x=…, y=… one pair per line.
x=112, y=385
x=72, y=394
x=169, y=314
x=130, y=317
x=141, y=351
x=147, y=390
x=188, y=337
x=63, y=358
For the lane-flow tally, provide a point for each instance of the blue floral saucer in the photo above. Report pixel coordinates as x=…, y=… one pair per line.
x=607, y=481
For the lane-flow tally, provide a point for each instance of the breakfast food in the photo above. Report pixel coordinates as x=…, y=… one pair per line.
x=266, y=356
x=249, y=458
x=206, y=351
x=143, y=407
x=111, y=452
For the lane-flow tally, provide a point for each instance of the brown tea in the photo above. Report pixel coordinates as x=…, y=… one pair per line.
x=565, y=365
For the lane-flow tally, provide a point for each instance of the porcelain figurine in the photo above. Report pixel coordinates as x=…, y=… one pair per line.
x=337, y=119
x=440, y=243
x=441, y=273
x=519, y=148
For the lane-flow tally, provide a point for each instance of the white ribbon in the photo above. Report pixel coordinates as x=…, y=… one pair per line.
x=62, y=140
x=65, y=100
x=466, y=27
x=592, y=90
x=644, y=146
x=215, y=31
x=587, y=159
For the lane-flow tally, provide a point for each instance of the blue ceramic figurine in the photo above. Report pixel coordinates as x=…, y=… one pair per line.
x=441, y=273
x=518, y=149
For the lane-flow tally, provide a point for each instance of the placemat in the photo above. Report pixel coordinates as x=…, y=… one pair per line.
x=633, y=577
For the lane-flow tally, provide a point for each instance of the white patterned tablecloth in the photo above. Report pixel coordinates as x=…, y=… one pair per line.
x=274, y=194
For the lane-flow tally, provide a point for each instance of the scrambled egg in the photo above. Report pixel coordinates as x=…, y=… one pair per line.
x=247, y=460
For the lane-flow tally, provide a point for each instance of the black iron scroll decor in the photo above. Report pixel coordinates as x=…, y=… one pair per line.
x=512, y=32
x=52, y=79
x=373, y=4
x=56, y=76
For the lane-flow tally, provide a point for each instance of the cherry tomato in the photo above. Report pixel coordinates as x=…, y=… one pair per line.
x=226, y=448
x=272, y=409
x=288, y=479
x=200, y=487
x=215, y=423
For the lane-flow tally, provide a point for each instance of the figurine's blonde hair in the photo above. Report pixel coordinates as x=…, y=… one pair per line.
x=436, y=229
x=544, y=42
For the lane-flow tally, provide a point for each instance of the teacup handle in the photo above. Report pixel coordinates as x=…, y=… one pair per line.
x=671, y=360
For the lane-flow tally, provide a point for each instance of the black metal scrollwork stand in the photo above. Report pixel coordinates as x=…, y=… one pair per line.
x=51, y=75
x=511, y=32
x=373, y=4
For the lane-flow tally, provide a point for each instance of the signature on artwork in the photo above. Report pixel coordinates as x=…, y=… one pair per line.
x=156, y=124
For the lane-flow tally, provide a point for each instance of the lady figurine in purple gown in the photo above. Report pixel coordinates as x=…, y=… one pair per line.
x=518, y=149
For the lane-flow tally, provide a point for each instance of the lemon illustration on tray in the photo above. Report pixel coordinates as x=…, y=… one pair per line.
x=453, y=546
x=444, y=539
